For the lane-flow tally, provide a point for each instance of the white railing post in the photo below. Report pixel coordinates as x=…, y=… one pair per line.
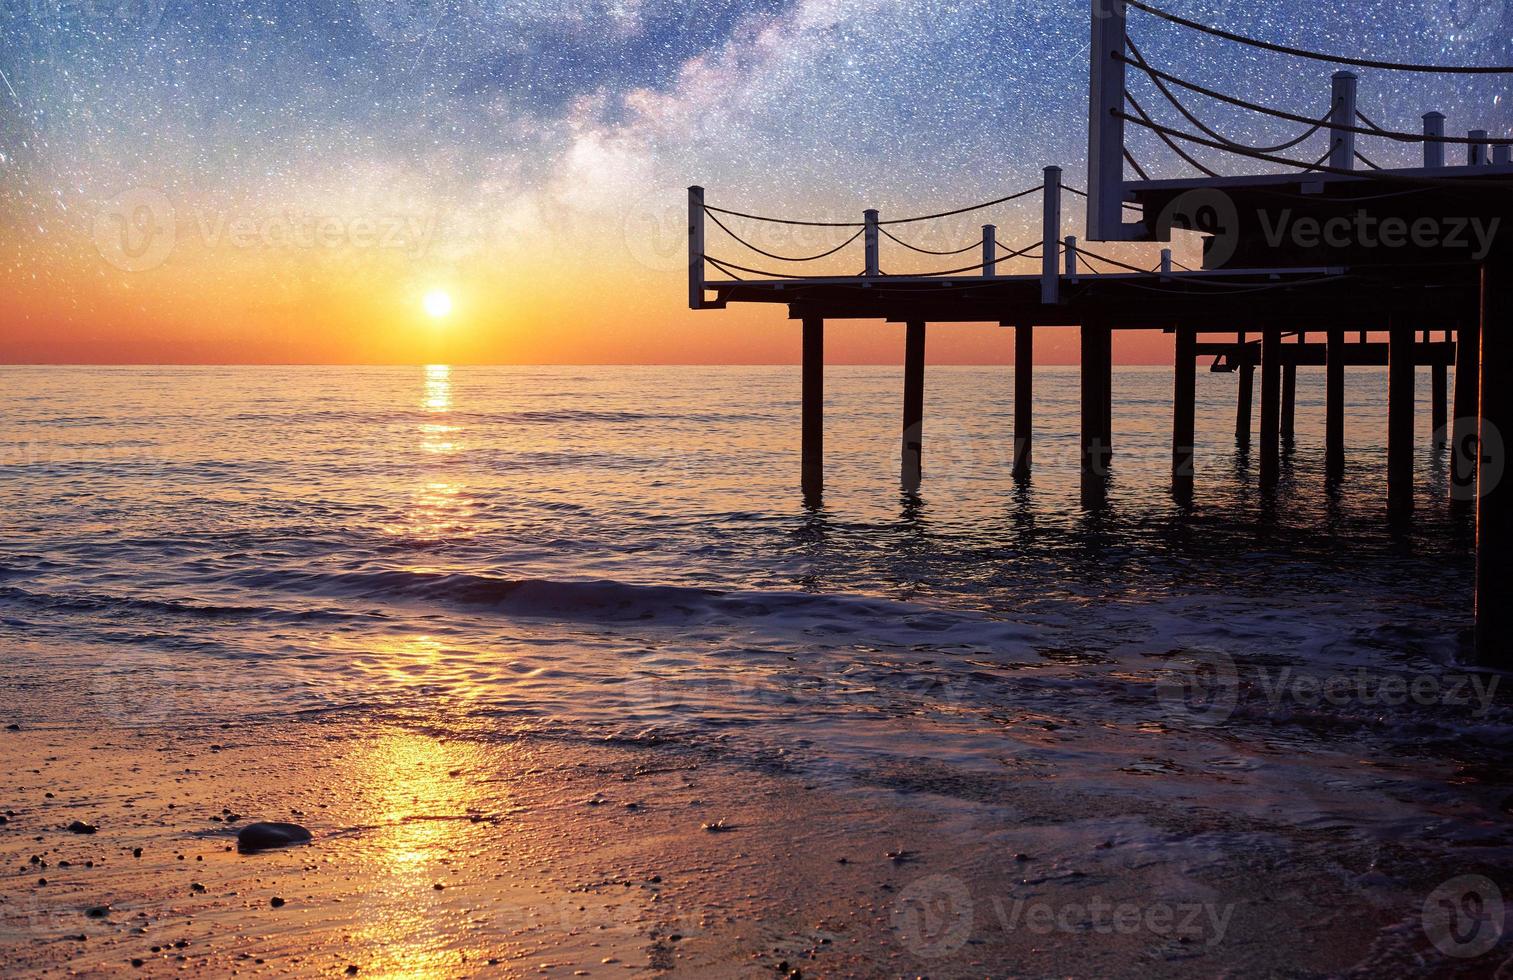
x=1069, y=251
x=1105, y=134
x=1050, y=285
x=695, y=248
x=1502, y=154
x=1166, y=261
x=1434, y=133
x=1342, y=113
x=1476, y=151
x=989, y=251
x=869, y=216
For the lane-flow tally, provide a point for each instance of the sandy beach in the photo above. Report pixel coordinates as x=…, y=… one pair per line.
x=439, y=855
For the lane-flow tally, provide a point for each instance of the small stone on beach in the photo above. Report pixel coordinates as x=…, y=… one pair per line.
x=80, y=827
x=276, y=902
x=264, y=836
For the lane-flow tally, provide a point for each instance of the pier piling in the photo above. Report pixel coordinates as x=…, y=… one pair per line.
x=1464, y=430
x=1271, y=407
x=1334, y=407
x=1400, y=395
x=1494, y=497
x=1096, y=437
x=1184, y=414
x=1246, y=396
x=813, y=385
x=1024, y=372
x=914, y=404
x=1289, y=403
x=1439, y=385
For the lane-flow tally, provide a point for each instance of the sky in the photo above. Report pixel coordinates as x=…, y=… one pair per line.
x=288, y=181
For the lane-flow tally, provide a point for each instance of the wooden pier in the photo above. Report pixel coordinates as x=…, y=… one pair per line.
x=1358, y=262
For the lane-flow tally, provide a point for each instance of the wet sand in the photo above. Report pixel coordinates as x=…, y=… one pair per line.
x=442, y=855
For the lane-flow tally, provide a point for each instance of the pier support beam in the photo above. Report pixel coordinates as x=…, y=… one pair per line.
x=1245, y=398
x=1289, y=404
x=1494, y=495
x=813, y=409
x=1438, y=402
x=1464, y=430
x=1096, y=435
x=914, y=404
x=1334, y=407
x=1271, y=405
x=1184, y=414
x=1024, y=373
x=1400, y=396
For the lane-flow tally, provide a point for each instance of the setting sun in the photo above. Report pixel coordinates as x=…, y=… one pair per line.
x=438, y=303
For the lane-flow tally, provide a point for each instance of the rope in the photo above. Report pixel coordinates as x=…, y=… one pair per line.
x=974, y=207
x=1382, y=175
x=727, y=266
x=785, y=258
x=1316, y=56
x=1362, y=157
x=1318, y=124
x=1139, y=170
x=929, y=251
x=1016, y=254
x=786, y=221
x=1168, y=140
x=1069, y=187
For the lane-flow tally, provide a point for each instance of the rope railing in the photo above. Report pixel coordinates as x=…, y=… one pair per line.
x=1319, y=56
x=929, y=251
x=1314, y=124
x=784, y=258
x=1381, y=175
x=859, y=224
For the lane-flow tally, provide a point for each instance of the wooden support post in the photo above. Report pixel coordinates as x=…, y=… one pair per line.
x=1105, y=202
x=1502, y=154
x=1334, y=407
x=1400, y=396
x=870, y=242
x=1341, y=115
x=1184, y=413
x=1166, y=261
x=1246, y=395
x=1476, y=151
x=695, y=248
x=989, y=251
x=1289, y=403
x=1069, y=254
x=1439, y=390
x=814, y=409
x=914, y=404
x=1494, y=495
x=1271, y=405
x=1024, y=372
x=1434, y=132
x=1050, y=283
x=1464, y=431
x=1095, y=435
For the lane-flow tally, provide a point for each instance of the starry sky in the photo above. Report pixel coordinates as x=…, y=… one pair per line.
x=286, y=180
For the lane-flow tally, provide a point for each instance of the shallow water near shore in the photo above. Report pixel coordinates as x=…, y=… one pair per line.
x=588, y=558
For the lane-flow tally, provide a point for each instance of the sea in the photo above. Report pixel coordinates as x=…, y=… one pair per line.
x=623, y=554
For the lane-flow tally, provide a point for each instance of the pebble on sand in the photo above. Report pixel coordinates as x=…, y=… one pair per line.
x=80, y=827
x=264, y=836
x=276, y=902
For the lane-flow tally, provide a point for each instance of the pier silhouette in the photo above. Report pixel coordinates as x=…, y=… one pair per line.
x=1303, y=259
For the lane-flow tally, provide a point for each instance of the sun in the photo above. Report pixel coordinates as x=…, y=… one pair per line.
x=438, y=303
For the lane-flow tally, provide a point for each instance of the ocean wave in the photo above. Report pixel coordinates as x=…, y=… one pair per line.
x=611, y=601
